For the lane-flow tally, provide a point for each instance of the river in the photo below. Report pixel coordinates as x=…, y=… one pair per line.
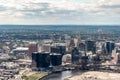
x=60, y=75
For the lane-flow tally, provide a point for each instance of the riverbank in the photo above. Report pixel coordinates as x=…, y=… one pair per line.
x=60, y=75
x=95, y=75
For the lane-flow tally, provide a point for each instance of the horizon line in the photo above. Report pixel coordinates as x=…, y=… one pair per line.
x=67, y=24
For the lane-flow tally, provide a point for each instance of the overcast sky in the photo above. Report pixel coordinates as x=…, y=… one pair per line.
x=60, y=12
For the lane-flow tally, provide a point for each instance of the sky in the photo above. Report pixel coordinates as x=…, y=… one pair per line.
x=60, y=12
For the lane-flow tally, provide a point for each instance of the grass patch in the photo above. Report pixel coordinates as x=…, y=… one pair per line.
x=35, y=76
x=25, y=78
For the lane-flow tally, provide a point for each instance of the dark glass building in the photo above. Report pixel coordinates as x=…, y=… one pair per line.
x=40, y=60
x=81, y=46
x=110, y=46
x=58, y=49
x=34, y=60
x=62, y=49
x=75, y=56
x=91, y=46
x=56, y=59
x=55, y=50
x=43, y=60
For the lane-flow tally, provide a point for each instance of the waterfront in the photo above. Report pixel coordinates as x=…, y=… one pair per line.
x=60, y=75
x=96, y=75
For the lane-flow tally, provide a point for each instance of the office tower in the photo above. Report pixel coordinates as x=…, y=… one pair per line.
x=77, y=41
x=70, y=45
x=58, y=49
x=33, y=47
x=104, y=51
x=55, y=49
x=91, y=46
x=56, y=59
x=34, y=61
x=43, y=60
x=75, y=56
x=40, y=44
x=110, y=46
x=40, y=60
x=81, y=46
x=46, y=47
x=62, y=49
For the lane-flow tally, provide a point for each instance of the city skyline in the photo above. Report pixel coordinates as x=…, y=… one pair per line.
x=80, y=12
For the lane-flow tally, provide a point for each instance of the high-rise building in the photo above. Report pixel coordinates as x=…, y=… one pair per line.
x=70, y=45
x=75, y=56
x=46, y=47
x=40, y=44
x=110, y=46
x=91, y=46
x=33, y=47
x=55, y=49
x=56, y=59
x=58, y=49
x=40, y=60
x=82, y=47
x=116, y=56
x=34, y=61
x=62, y=49
x=77, y=41
x=103, y=48
x=43, y=60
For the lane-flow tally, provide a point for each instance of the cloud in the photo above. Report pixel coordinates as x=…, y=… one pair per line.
x=54, y=11
x=110, y=6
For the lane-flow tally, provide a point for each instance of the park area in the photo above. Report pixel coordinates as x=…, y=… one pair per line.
x=35, y=76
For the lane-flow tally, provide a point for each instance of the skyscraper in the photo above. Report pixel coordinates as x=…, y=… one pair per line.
x=34, y=60
x=70, y=45
x=58, y=49
x=75, y=56
x=56, y=59
x=110, y=46
x=43, y=60
x=91, y=46
x=40, y=60
x=33, y=47
x=81, y=46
